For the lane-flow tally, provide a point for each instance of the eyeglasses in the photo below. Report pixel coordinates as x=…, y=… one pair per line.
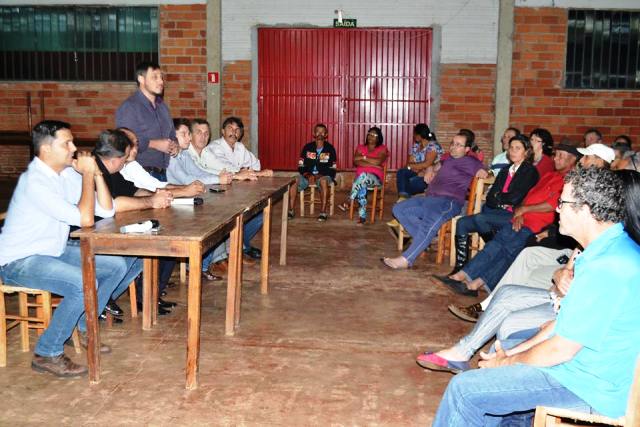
x=566, y=202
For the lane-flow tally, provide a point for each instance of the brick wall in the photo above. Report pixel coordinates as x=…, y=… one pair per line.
x=538, y=97
x=236, y=94
x=467, y=93
x=90, y=107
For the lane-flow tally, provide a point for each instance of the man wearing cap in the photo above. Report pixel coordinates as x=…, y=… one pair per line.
x=598, y=155
x=536, y=212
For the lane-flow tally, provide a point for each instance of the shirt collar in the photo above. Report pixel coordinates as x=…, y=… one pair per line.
x=514, y=168
x=45, y=168
x=146, y=101
x=193, y=151
x=601, y=243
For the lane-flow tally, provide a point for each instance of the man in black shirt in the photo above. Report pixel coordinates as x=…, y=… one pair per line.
x=317, y=166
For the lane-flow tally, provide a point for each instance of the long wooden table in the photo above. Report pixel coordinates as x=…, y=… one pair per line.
x=186, y=232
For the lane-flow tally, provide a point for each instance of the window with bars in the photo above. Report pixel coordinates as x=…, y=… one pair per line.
x=603, y=49
x=76, y=43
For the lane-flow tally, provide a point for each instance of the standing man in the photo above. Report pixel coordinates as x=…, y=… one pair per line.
x=317, y=166
x=57, y=192
x=146, y=114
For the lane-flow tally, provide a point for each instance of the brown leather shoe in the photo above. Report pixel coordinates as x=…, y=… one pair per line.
x=219, y=267
x=469, y=313
x=60, y=366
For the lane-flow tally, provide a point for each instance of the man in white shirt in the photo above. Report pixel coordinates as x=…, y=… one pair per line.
x=57, y=192
x=227, y=153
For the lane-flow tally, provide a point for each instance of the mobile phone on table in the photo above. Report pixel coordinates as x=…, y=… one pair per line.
x=217, y=190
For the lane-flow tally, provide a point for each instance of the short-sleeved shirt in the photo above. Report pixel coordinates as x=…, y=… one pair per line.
x=500, y=161
x=454, y=177
x=548, y=189
x=376, y=152
x=148, y=121
x=420, y=154
x=601, y=312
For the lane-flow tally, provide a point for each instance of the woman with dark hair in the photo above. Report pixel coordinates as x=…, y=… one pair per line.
x=509, y=190
x=542, y=143
x=631, y=180
x=369, y=161
x=425, y=152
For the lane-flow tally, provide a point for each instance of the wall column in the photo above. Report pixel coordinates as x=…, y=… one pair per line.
x=214, y=64
x=503, y=72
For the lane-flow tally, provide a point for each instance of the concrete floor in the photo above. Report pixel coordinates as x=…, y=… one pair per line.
x=334, y=343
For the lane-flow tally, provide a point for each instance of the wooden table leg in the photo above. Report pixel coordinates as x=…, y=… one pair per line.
x=283, y=232
x=194, y=299
x=266, y=239
x=232, y=272
x=183, y=271
x=90, y=308
x=238, y=293
x=154, y=291
x=147, y=284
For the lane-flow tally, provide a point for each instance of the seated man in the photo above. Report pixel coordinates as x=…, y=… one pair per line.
x=597, y=155
x=112, y=151
x=423, y=216
x=535, y=213
x=228, y=154
x=54, y=193
x=585, y=359
x=317, y=166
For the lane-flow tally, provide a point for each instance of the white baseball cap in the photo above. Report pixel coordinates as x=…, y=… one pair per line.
x=605, y=153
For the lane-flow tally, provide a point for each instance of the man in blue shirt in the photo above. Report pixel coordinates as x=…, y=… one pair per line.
x=57, y=192
x=585, y=358
x=146, y=114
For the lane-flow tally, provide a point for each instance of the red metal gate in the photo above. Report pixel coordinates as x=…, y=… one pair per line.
x=349, y=79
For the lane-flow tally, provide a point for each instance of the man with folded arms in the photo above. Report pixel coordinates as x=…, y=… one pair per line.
x=57, y=192
x=585, y=358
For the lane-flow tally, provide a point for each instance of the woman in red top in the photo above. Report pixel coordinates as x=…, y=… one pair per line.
x=369, y=161
x=542, y=143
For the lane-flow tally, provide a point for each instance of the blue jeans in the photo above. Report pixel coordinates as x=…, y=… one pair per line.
x=494, y=260
x=501, y=396
x=63, y=276
x=489, y=220
x=422, y=218
x=409, y=183
x=220, y=252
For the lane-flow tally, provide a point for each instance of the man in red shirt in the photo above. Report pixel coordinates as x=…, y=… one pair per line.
x=536, y=212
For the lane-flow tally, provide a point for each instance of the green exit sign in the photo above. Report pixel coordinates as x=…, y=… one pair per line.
x=346, y=23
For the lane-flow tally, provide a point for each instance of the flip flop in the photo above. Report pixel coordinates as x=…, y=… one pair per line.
x=433, y=362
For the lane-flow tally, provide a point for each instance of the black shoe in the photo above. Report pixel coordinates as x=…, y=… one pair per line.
x=161, y=311
x=254, y=253
x=291, y=214
x=456, y=286
x=114, y=319
x=113, y=308
x=166, y=304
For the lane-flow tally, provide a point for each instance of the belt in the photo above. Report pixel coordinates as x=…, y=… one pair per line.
x=154, y=169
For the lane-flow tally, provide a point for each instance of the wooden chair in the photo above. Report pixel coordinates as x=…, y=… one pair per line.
x=377, y=201
x=477, y=243
x=42, y=302
x=311, y=190
x=547, y=416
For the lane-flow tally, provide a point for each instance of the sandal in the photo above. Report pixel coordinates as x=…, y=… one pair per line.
x=343, y=206
x=211, y=277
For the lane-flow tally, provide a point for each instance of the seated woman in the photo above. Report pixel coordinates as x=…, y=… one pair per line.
x=369, y=160
x=425, y=152
x=509, y=190
x=542, y=144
